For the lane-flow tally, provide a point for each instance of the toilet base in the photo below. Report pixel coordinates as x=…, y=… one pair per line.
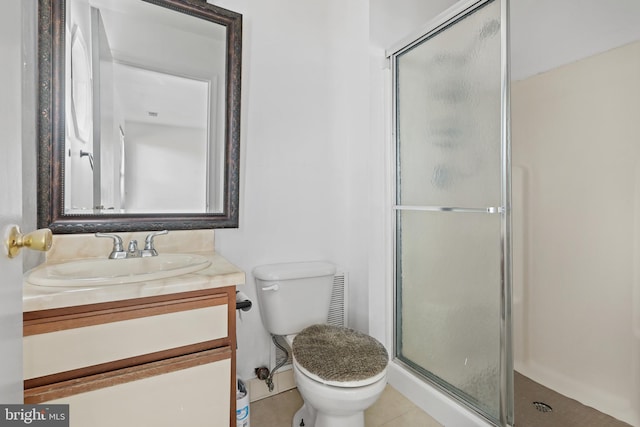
x=331, y=406
x=305, y=417
x=309, y=417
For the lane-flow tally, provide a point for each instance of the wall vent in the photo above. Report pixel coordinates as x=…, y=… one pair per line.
x=337, y=316
x=338, y=308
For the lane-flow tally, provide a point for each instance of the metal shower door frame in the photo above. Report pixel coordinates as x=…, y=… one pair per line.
x=443, y=21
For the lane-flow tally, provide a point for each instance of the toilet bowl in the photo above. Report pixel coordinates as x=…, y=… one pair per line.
x=334, y=406
x=339, y=371
x=337, y=382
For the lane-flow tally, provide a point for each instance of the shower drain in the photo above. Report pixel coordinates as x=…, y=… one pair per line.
x=542, y=407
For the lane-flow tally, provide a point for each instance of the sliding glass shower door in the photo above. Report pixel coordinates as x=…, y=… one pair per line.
x=452, y=207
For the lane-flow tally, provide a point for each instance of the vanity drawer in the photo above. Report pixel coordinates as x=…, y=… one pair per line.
x=182, y=391
x=116, y=336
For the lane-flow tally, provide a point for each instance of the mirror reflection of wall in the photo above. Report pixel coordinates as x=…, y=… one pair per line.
x=169, y=148
x=155, y=131
x=78, y=102
x=108, y=118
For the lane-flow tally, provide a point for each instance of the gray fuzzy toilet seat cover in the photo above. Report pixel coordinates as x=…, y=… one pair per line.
x=334, y=353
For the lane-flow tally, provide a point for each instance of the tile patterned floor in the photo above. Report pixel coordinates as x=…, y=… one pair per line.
x=394, y=410
x=391, y=410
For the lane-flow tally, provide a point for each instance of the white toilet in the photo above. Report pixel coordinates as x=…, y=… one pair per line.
x=339, y=372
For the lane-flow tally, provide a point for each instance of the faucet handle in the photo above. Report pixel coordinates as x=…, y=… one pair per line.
x=149, y=250
x=118, y=248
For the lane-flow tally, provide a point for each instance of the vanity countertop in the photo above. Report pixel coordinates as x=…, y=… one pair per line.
x=220, y=273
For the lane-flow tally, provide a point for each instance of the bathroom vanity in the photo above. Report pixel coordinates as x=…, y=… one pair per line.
x=158, y=352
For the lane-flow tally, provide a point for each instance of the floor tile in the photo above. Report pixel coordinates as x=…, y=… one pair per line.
x=413, y=418
x=276, y=411
x=391, y=405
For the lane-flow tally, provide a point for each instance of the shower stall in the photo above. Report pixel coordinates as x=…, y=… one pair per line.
x=453, y=210
x=576, y=211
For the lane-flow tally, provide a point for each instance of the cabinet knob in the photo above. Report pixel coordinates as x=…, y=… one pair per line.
x=39, y=240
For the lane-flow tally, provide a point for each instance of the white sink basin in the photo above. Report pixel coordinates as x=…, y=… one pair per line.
x=103, y=271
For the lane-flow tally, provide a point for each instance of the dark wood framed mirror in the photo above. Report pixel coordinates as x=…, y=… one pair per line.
x=139, y=115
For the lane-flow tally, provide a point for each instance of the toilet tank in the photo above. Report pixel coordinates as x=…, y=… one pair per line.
x=295, y=295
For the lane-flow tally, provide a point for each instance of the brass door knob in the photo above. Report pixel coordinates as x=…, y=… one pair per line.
x=39, y=240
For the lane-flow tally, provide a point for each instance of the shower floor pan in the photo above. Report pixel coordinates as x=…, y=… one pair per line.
x=539, y=406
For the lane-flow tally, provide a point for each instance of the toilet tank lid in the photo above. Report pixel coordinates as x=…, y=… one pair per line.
x=294, y=270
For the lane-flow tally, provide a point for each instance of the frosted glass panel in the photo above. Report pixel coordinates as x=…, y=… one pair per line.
x=451, y=271
x=448, y=115
x=448, y=295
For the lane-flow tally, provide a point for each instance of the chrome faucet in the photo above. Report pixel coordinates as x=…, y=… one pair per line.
x=132, y=251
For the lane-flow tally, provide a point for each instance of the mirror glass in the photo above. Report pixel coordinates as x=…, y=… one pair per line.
x=144, y=115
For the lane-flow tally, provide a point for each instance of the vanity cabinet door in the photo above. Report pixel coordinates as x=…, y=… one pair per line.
x=191, y=390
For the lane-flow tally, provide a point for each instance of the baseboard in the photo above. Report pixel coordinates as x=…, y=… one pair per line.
x=282, y=381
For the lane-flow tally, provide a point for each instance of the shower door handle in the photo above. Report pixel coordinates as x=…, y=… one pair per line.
x=489, y=209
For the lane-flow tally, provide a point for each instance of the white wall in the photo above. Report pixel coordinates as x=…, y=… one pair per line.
x=576, y=160
x=549, y=33
x=304, y=149
x=29, y=127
